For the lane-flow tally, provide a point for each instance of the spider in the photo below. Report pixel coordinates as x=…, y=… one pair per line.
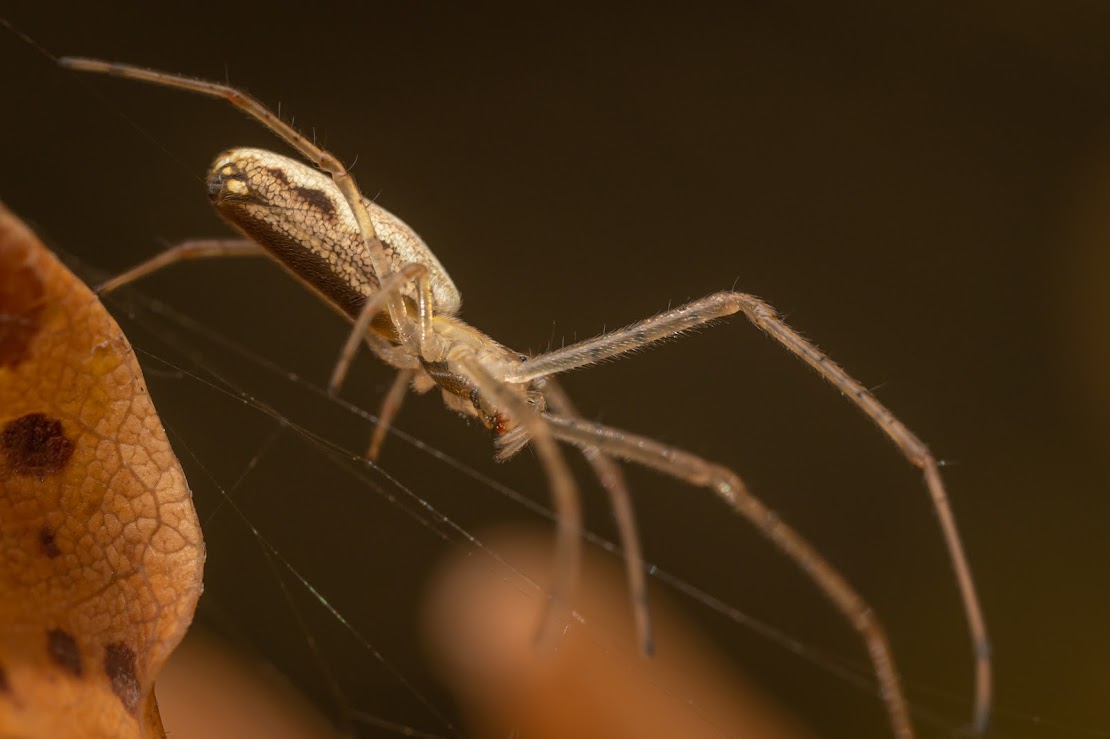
x=374, y=270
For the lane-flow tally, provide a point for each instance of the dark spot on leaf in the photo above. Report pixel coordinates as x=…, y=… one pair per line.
x=35, y=445
x=316, y=198
x=63, y=651
x=22, y=300
x=5, y=686
x=119, y=665
x=46, y=540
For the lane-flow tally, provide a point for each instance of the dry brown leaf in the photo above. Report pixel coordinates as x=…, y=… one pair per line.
x=101, y=548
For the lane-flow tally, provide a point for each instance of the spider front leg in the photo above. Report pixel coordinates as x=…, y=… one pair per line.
x=714, y=307
x=728, y=485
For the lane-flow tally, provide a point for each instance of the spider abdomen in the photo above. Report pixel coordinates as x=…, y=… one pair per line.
x=298, y=215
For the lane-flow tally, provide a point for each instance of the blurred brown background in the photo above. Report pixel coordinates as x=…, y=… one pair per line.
x=922, y=191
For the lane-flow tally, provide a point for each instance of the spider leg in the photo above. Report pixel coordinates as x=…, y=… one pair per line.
x=391, y=404
x=322, y=158
x=609, y=474
x=672, y=323
x=375, y=302
x=396, y=356
x=212, y=248
x=199, y=249
x=568, y=509
x=723, y=481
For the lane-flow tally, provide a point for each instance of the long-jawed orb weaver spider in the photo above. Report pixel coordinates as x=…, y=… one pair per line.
x=372, y=268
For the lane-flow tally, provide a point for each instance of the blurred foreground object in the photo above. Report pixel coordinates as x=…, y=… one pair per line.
x=209, y=690
x=101, y=549
x=480, y=624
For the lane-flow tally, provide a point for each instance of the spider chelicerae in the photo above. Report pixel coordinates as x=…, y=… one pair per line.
x=373, y=269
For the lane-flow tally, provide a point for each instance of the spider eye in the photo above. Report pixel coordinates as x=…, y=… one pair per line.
x=227, y=183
